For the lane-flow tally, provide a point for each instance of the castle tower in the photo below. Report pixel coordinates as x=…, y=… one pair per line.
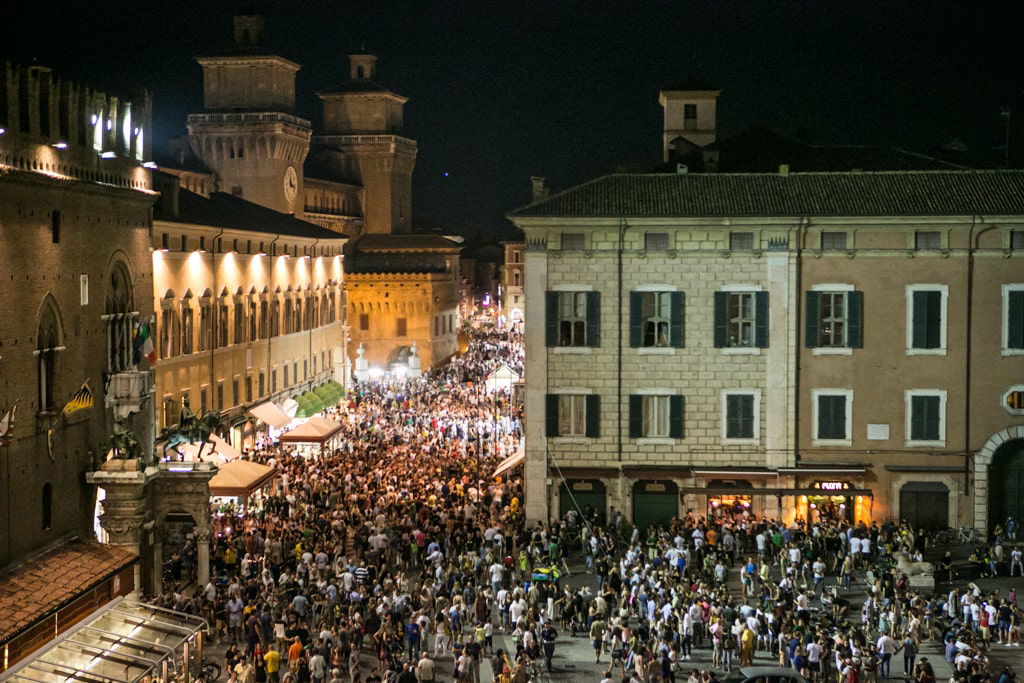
x=248, y=134
x=690, y=114
x=362, y=135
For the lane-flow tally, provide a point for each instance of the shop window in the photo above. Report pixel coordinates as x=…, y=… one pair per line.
x=926, y=319
x=741, y=319
x=573, y=319
x=573, y=415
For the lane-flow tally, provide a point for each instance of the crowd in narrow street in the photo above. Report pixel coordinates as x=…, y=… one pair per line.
x=398, y=556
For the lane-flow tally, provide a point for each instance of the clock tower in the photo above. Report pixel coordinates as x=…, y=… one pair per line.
x=248, y=133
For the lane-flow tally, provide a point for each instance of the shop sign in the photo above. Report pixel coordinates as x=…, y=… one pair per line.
x=582, y=486
x=1013, y=400
x=832, y=485
x=654, y=488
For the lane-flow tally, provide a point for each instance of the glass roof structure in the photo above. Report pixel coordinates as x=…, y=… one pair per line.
x=121, y=642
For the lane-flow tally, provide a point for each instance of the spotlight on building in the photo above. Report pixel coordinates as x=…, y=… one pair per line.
x=376, y=373
x=400, y=371
x=60, y=145
x=2, y=131
x=108, y=155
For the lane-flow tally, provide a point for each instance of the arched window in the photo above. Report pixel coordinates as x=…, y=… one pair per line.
x=253, y=316
x=288, y=314
x=187, y=324
x=170, y=323
x=119, y=319
x=47, y=501
x=49, y=341
x=206, y=321
x=275, y=315
x=360, y=72
x=222, y=320
x=516, y=278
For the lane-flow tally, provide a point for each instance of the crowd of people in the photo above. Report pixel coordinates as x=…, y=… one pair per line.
x=398, y=556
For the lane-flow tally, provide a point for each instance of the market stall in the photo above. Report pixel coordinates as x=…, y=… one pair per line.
x=317, y=430
x=241, y=479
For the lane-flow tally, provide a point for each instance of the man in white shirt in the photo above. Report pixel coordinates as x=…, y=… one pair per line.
x=497, y=572
x=886, y=647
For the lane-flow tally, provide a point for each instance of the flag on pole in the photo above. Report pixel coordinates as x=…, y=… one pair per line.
x=82, y=399
x=7, y=426
x=142, y=345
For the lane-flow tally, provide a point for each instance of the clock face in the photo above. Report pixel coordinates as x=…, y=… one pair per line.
x=291, y=184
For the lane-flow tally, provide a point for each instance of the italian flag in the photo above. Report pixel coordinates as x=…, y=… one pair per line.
x=144, y=345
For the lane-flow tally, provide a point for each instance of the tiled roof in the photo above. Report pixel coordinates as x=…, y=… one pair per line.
x=914, y=193
x=46, y=582
x=379, y=242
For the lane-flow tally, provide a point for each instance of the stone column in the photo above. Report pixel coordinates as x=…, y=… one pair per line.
x=125, y=508
x=156, y=579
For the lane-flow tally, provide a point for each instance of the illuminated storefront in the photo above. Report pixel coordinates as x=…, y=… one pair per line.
x=835, y=501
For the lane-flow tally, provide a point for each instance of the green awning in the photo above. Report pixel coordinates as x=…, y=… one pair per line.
x=309, y=404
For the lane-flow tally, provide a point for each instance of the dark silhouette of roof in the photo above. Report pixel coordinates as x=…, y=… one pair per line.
x=223, y=210
x=916, y=193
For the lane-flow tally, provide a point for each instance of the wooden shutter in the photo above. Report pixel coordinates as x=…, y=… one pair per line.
x=677, y=336
x=636, y=322
x=593, y=417
x=551, y=414
x=720, y=331
x=593, y=319
x=636, y=416
x=934, y=319
x=551, y=318
x=761, y=320
x=1015, y=319
x=926, y=328
x=813, y=320
x=854, y=320
x=675, y=422
x=831, y=417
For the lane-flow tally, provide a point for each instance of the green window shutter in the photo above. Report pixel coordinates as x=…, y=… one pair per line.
x=831, y=417
x=593, y=417
x=1015, y=319
x=551, y=414
x=720, y=331
x=934, y=320
x=761, y=320
x=676, y=335
x=551, y=318
x=854, y=320
x=924, y=418
x=824, y=417
x=593, y=319
x=636, y=322
x=919, y=320
x=636, y=416
x=813, y=319
x=675, y=414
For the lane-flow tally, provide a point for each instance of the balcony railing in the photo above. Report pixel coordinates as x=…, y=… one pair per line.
x=248, y=117
x=126, y=391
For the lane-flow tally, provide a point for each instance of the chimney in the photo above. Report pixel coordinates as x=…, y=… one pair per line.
x=540, y=190
x=783, y=169
x=682, y=169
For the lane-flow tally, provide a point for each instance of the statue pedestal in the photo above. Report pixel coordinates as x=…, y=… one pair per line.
x=362, y=371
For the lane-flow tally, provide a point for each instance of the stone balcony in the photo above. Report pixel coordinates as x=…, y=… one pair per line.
x=127, y=391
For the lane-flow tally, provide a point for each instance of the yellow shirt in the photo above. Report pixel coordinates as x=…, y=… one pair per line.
x=273, y=660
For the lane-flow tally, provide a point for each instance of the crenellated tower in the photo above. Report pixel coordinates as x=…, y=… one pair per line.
x=248, y=133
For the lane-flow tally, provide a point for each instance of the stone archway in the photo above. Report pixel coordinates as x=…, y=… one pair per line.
x=982, y=461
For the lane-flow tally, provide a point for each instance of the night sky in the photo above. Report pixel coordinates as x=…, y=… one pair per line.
x=503, y=90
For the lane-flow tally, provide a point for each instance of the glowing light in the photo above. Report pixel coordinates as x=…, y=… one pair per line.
x=400, y=371
x=60, y=145
x=110, y=124
x=164, y=250
x=2, y=131
x=376, y=373
x=262, y=253
x=93, y=119
x=107, y=155
x=149, y=164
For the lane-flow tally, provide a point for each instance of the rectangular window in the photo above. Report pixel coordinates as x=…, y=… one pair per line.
x=1013, y=320
x=1017, y=239
x=927, y=240
x=234, y=391
x=202, y=243
x=926, y=318
x=273, y=381
x=741, y=241
x=263, y=384
x=220, y=395
x=741, y=319
x=184, y=243
x=656, y=241
x=655, y=416
x=833, y=241
x=690, y=112
x=572, y=319
x=171, y=409
x=573, y=415
x=740, y=415
x=400, y=327
x=203, y=405
x=572, y=241
x=248, y=388
x=165, y=241
x=364, y=321
x=832, y=414
x=834, y=319
x=926, y=417
x=286, y=374
x=656, y=319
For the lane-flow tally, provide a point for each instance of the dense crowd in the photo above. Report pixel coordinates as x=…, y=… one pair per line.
x=398, y=556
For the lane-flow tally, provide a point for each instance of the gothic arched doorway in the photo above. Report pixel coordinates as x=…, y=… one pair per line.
x=1006, y=483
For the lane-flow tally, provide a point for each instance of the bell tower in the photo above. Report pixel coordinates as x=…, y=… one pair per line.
x=248, y=133
x=362, y=134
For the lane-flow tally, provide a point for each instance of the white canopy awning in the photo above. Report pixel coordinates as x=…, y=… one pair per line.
x=316, y=430
x=509, y=462
x=269, y=412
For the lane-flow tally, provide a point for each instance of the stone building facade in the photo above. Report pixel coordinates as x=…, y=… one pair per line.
x=513, y=301
x=75, y=219
x=249, y=306
x=671, y=365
